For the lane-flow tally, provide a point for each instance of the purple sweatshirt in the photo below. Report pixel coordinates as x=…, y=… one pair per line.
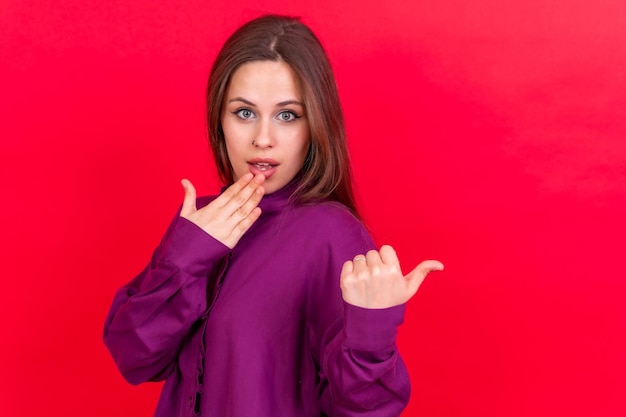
x=260, y=330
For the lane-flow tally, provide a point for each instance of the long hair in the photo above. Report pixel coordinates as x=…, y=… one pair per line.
x=326, y=173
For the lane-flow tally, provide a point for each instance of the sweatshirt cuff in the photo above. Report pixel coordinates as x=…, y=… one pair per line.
x=192, y=249
x=372, y=329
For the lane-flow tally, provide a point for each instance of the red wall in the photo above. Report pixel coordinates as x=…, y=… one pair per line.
x=489, y=134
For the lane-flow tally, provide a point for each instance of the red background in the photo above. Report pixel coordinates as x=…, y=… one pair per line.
x=489, y=134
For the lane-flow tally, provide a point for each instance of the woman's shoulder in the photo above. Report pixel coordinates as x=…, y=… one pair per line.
x=330, y=229
x=329, y=218
x=331, y=211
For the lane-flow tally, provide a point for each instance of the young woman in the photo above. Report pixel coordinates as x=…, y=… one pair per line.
x=269, y=299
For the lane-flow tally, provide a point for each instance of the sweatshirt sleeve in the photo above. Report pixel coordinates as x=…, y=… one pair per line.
x=366, y=375
x=150, y=316
x=361, y=371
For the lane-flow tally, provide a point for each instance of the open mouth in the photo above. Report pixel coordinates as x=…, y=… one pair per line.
x=262, y=166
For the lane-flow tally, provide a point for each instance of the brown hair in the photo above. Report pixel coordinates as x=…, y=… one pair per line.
x=326, y=171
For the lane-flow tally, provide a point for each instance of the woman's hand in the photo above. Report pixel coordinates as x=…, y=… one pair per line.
x=231, y=214
x=375, y=280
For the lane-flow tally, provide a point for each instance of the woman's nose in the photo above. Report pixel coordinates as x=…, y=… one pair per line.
x=264, y=135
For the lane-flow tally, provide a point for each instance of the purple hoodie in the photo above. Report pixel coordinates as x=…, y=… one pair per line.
x=260, y=330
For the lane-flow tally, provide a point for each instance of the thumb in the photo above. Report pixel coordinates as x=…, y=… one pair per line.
x=189, y=201
x=418, y=275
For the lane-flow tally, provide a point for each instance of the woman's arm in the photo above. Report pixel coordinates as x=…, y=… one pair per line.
x=150, y=316
x=362, y=372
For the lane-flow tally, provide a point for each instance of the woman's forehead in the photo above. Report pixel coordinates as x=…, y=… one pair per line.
x=263, y=82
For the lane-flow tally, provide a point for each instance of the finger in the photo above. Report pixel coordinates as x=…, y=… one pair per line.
x=189, y=200
x=388, y=255
x=244, y=210
x=245, y=224
x=373, y=258
x=245, y=194
x=346, y=269
x=234, y=189
x=422, y=270
x=359, y=263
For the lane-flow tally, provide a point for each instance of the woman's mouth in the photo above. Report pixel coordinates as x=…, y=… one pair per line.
x=264, y=166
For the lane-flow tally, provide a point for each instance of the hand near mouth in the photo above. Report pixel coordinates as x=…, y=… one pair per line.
x=231, y=214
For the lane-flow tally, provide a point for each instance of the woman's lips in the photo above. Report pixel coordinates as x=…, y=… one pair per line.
x=264, y=166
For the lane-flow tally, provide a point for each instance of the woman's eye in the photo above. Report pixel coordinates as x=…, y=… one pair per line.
x=287, y=116
x=244, y=113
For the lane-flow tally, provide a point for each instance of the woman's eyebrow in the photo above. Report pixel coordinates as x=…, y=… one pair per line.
x=288, y=102
x=281, y=104
x=243, y=100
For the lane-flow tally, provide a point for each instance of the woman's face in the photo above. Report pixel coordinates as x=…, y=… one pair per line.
x=264, y=123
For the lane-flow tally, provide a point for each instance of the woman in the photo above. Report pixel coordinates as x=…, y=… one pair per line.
x=260, y=301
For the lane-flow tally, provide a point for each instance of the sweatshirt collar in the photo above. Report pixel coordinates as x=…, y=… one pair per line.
x=279, y=199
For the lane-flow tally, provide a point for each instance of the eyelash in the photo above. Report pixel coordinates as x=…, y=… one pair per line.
x=293, y=114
